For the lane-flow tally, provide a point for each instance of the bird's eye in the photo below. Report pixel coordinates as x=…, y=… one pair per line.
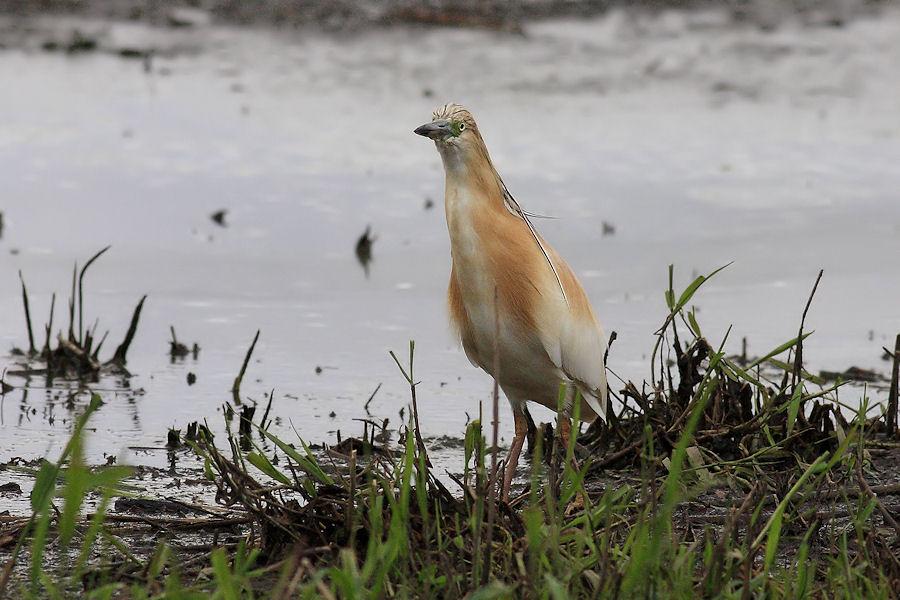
x=462, y=127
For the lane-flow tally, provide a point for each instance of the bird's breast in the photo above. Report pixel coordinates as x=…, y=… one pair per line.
x=497, y=284
x=472, y=264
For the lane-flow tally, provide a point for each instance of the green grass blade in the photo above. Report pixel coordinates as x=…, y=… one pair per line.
x=307, y=463
x=44, y=487
x=262, y=462
x=793, y=409
x=783, y=347
x=690, y=290
x=225, y=580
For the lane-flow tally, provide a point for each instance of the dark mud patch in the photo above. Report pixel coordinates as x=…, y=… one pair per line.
x=175, y=507
x=491, y=14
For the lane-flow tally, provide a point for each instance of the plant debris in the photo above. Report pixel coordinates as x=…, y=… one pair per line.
x=76, y=355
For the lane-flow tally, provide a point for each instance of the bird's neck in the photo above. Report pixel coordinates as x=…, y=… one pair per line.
x=471, y=181
x=474, y=206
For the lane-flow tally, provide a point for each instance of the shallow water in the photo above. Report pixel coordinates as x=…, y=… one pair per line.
x=702, y=142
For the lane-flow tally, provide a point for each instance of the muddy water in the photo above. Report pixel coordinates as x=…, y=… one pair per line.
x=700, y=142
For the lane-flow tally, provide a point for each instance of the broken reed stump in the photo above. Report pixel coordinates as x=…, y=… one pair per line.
x=236, y=387
x=891, y=414
x=119, y=356
x=245, y=426
x=31, y=349
x=176, y=348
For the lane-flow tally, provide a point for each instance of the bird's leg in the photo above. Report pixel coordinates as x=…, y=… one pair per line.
x=564, y=418
x=512, y=457
x=564, y=423
x=564, y=426
x=565, y=434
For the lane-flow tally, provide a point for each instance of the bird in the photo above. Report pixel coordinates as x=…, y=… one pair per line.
x=506, y=278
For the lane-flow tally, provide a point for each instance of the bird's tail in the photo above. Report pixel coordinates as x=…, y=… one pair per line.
x=596, y=400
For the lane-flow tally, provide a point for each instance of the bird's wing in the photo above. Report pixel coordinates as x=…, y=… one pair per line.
x=578, y=344
x=582, y=347
x=575, y=341
x=515, y=209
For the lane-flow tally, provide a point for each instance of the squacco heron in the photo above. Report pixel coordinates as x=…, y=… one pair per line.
x=548, y=334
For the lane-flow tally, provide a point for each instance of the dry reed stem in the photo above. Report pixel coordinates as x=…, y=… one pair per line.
x=236, y=387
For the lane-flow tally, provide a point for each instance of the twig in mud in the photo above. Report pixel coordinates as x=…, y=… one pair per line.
x=213, y=511
x=890, y=489
x=176, y=523
x=236, y=388
x=366, y=405
x=262, y=423
x=121, y=352
x=48, y=328
x=31, y=349
x=796, y=374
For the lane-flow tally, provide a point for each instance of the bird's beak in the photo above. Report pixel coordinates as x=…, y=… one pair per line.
x=435, y=130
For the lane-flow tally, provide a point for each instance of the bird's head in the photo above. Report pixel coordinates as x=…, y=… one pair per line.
x=451, y=125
